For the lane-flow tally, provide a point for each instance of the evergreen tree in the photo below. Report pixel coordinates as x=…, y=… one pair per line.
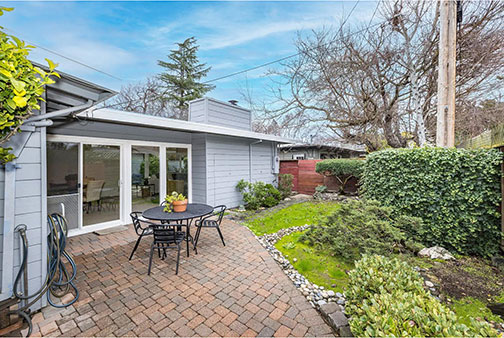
x=181, y=78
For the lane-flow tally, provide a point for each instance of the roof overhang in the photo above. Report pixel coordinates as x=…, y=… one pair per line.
x=334, y=147
x=122, y=117
x=70, y=91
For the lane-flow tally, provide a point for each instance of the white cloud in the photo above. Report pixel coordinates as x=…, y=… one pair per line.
x=245, y=33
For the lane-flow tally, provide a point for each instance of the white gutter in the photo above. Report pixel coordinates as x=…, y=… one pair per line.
x=59, y=113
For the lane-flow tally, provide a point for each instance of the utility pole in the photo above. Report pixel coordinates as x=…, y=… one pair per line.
x=445, y=133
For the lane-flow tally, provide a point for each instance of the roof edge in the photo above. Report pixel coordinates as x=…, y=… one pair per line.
x=119, y=116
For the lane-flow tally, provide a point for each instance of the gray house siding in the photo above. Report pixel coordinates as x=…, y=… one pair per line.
x=29, y=208
x=220, y=113
x=229, y=161
x=199, y=179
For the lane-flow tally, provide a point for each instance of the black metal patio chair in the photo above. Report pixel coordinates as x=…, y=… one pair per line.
x=166, y=237
x=211, y=221
x=141, y=230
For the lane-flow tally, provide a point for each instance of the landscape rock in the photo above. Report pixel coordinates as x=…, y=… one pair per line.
x=436, y=252
x=301, y=197
x=338, y=319
x=329, y=303
x=344, y=331
x=327, y=309
x=429, y=284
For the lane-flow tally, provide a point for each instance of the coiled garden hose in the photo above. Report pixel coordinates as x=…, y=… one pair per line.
x=58, y=281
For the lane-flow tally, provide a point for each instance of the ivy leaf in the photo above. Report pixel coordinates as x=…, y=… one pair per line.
x=20, y=101
x=18, y=85
x=51, y=64
x=5, y=73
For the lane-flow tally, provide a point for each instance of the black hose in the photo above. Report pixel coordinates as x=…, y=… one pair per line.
x=58, y=281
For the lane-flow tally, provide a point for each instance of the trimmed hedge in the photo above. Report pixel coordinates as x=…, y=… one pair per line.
x=386, y=297
x=343, y=169
x=340, y=167
x=455, y=191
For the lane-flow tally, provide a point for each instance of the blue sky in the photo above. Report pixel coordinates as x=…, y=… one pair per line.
x=127, y=38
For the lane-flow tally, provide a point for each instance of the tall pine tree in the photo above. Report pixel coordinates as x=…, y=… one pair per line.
x=181, y=78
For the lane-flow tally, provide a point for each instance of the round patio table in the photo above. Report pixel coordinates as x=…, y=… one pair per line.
x=193, y=211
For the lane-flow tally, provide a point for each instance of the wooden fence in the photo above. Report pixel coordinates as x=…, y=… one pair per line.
x=305, y=177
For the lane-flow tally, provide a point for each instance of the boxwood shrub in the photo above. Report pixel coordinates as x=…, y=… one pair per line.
x=385, y=297
x=340, y=167
x=455, y=191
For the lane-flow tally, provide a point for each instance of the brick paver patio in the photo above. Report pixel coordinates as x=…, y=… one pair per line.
x=237, y=290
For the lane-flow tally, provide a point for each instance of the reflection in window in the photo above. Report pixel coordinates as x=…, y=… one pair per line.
x=176, y=170
x=144, y=177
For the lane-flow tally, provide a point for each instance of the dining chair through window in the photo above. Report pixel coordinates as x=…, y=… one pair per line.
x=142, y=228
x=213, y=220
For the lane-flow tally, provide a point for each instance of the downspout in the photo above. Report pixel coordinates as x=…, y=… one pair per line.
x=250, y=158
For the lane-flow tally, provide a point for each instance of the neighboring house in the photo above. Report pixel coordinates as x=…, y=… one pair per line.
x=98, y=165
x=311, y=151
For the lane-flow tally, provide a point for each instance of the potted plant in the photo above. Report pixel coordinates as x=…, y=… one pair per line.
x=175, y=202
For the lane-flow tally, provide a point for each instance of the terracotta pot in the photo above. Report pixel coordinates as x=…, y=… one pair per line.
x=179, y=206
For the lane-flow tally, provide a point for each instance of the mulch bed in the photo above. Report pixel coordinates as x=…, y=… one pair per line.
x=469, y=277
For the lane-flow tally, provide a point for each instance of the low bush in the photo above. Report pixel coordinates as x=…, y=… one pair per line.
x=285, y=184
x=385, y=297
x=455, y=191
x=343, y=169
x=360, y=227
x=319, y=190
x=259, y=194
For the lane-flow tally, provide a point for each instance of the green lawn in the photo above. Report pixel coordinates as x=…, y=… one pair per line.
x=318, y=267
x=291, y=216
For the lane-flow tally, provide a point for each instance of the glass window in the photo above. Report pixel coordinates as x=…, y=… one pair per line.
x=101, y=183
x=63, y=181
x=144, y=177
x=176, y=170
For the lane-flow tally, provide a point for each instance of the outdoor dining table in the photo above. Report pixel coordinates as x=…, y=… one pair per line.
x=193, y=211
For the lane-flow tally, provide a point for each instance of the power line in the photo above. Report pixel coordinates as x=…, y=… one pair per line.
x=274, y=61
x=68, y=58
x=289, y=56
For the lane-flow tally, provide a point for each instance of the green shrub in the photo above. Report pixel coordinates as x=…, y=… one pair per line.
x=385, y=297
x=342, y=169
x=259, y=194
x=455, y=191
x=360, y=227
x=285, y=184
x=319, y=190
x=22, y=87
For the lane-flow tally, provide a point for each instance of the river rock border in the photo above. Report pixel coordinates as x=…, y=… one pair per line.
x=329, y=303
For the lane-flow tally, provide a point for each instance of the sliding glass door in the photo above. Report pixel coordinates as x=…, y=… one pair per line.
x=145, y=174
x=177, y=171
x=96, y=182
x=101, y=195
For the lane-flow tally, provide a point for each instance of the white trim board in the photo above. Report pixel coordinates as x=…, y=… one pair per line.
x=118, y=116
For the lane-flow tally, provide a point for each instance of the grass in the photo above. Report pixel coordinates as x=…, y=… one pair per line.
x=294, y=215
x=468, y=307
x=318, y=267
